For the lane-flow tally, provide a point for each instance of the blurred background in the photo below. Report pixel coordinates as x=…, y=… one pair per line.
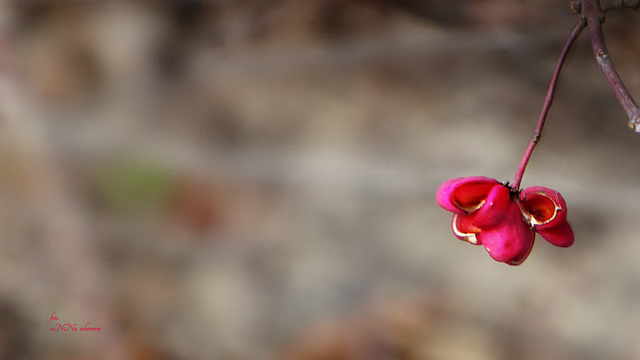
x=246, y=179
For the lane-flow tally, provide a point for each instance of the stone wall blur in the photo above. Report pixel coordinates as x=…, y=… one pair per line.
x=255, y=180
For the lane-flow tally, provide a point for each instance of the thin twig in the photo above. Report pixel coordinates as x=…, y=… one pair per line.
x=547, y=103
x=594, y=16
x=607, y=5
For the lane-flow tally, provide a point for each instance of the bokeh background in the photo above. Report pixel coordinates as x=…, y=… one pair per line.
x=246, y=179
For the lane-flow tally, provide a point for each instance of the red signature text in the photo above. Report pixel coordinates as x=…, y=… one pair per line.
x=70, y=327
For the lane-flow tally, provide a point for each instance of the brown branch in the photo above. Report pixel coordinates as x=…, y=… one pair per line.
x=594, y=15
x=607, y=5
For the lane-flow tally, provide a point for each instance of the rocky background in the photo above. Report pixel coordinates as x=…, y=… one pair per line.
x=245, y=179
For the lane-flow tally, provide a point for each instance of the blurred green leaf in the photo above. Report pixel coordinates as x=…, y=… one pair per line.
x=134, y=185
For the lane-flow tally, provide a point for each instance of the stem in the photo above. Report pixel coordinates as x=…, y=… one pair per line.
x=547, y=103
x=594, y=16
